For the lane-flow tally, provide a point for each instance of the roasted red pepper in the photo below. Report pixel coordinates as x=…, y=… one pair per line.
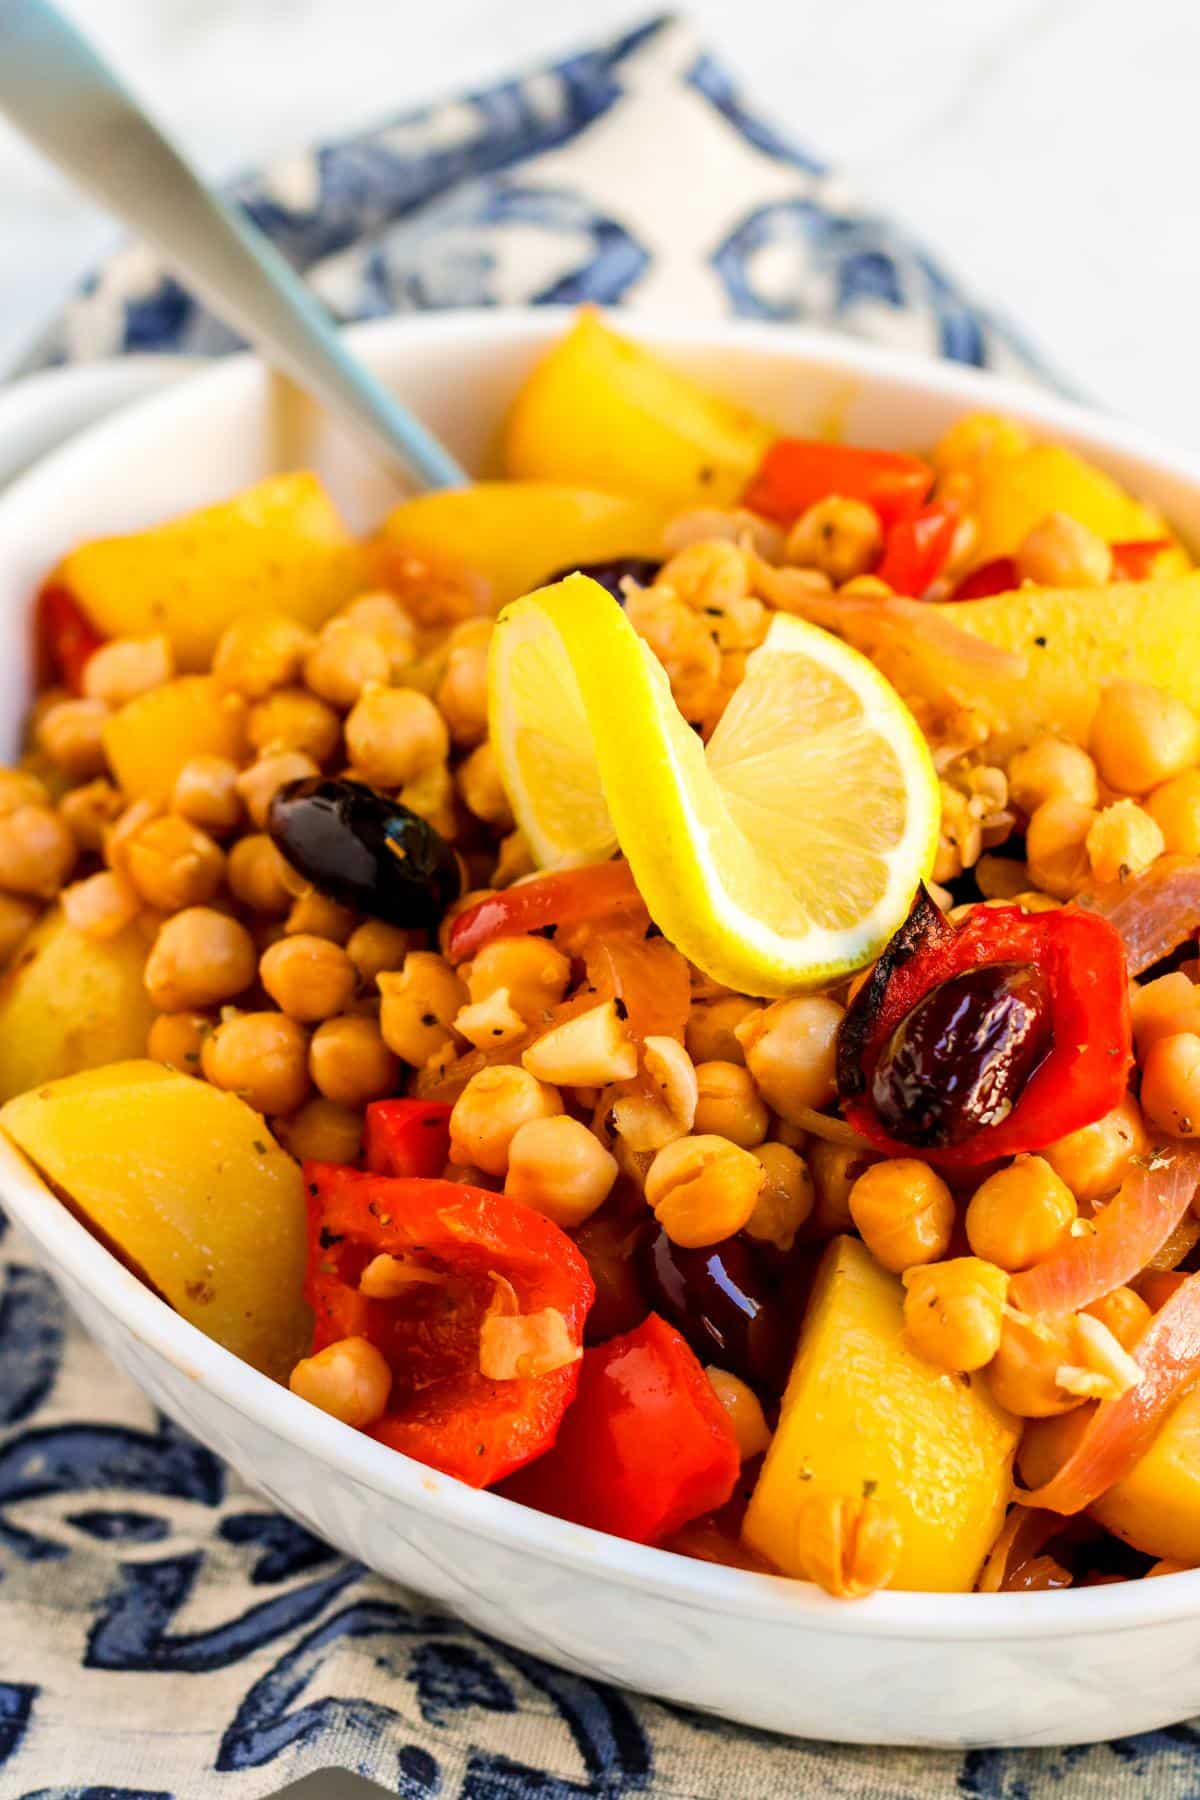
x=65, y=639
x=645, y=1446
x=999, y=576
x=916, y=550
x=455, y=1247
x=599, y=891
x=796, y=472
x=987, y=1040
x=407, y=1137
x=1134, y=559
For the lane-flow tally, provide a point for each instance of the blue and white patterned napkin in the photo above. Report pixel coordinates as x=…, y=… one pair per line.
x=163, y=1635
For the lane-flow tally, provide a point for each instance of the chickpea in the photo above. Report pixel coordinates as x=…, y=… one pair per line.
x=308, y=978
x=72, y=735
x=482, y=790
x=262, y=1056
x=535, y=973
x=1175, y=808
x=1171, y=1084
x=490, y=1111
x=388, y=623
x=259, y=876
x=1051, y=768
x=101, y=906
x=375, y=947
x=17, y=918
x=314, y=915
x=173, y=864
x=842, y=538
x=710, y=1033
x=177, y=1039
x=850, y=1545
x=710, y=573
x=1142, y=736
x=743, y=1410
x=835, y=1169
x=260, y=652
x=1060, y=552
x=1093, y=1160
x=394, y=734
x=292, y=719
x=462, y=694
x=21, y=787
x=200, y=958
x=1163, y=1008
x=703, y=1189
x=345, y=659
x=349, y=1379
x=1024, y=1373
x=431, y=795
x=904, y=1213
x=1020, y=1214
x=785, y=1198
x=419, y=1006
x=791, y=1051
x=728, y=1104
x=37, y=852
x=322, y=1131
x=515, y=860
x=560, y=1168
x=954, y=1312
x=1056, y=846
x=124, y=668
x=978, y=438
x=1124, y=1313
x=258, y=785
x=206, y=794
x=1123, y=841
x=490, y=1023
x=350, y=1062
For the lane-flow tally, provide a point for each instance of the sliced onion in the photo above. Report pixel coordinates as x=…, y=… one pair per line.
x=1120, y=1432
x=1126, y=1234
x=829, y=1127
x=1154, y=912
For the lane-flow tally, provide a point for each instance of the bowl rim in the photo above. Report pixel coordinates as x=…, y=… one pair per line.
x=709, y=1587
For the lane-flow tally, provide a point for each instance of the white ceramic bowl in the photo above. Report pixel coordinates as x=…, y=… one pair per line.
x=899, y=1668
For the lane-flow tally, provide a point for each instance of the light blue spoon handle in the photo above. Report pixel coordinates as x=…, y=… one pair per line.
x=57, y=91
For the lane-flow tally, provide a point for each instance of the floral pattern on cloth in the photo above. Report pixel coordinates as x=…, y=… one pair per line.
x=163, y=1634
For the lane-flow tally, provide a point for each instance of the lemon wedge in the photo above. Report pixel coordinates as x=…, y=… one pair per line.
x=784, y=855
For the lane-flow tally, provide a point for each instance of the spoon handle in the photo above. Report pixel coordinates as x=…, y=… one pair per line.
x=59, y=93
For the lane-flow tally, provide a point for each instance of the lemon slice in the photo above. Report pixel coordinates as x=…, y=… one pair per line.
x=780, y=858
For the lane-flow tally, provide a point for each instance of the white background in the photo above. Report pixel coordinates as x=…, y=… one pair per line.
x=1046, y=148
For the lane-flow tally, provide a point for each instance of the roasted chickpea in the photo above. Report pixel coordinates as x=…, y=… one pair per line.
x=349, y=1379
x=72, y=735
x=1175, y=808
x=482, y=790
x=1056, y=846
x=345, y=659
x=1051, y=768
x=173, y=864
x=258, y=785
x=292, y=719
x=37, y=852
x=314, y=915
x=835, y=1169
x=1171, y=1084
x=260, y=652
x=261, y=1056
x=308, y=978
x=743, y=1410
x=1142, y=736
x=21, y=787
x=904, y=1213
x=383, y=616
x=375, y=947
x=1124, y=1313
x=490, y=1111
x=200, y=958
x=1093, y=1161
x=954, y=1312
x=840, y=537
x=791, y=1051
x=533, y=971
x=1123, y=840
x=260, y=876
x=88, y=812
x=462, y=694
x=206, y=793
x=1020, y=1214
x=785, y=1198
x=122, y=669
x=728, y=1104
x=1024, y=1374
x=350, y=1063
x=978, y=438
x=1062, y=553
x=395, y=734
x=322, y=1131
x=711, y=1027
x=419, y=1006
x=102, y=905
x=560, y=1168
x=177, y=1039
x=1163, y=1008
x=703, y=1189
x=17, y=918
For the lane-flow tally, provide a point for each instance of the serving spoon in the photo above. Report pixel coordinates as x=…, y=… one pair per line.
x=59, y=93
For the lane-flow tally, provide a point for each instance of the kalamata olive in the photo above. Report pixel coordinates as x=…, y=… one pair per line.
x=721, y=1302
x=612, y=573
x=960, y=1060
x=365, y=851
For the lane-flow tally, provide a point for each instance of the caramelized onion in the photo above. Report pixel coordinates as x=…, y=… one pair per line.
x=1154, y=912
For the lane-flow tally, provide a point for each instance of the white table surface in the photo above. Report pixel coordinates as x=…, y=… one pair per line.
x=1046, y=148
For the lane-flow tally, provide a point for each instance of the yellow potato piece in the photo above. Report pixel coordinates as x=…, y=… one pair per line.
x=189, y=1186
x=1014, y=493
x=519, y=533
x=863, y=1412
x=1075, y=641
x=70, y=1003
x=602, y=411
x=150, y=739
x=278, y=547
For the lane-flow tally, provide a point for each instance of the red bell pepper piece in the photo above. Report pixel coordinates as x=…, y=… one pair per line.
x=999, y=576
x=644, y=1447
x=407, y=1137
x=1134, y=559
x=916, y=550
x=599, y=891
x=1084, y=1071
x=455, y=1241
x=65, y=639
x=796, y=472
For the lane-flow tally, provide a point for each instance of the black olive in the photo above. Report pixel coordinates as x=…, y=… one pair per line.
x=365, y=851
x=722, y=1301
x=612, y=573
x=960, y=1060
